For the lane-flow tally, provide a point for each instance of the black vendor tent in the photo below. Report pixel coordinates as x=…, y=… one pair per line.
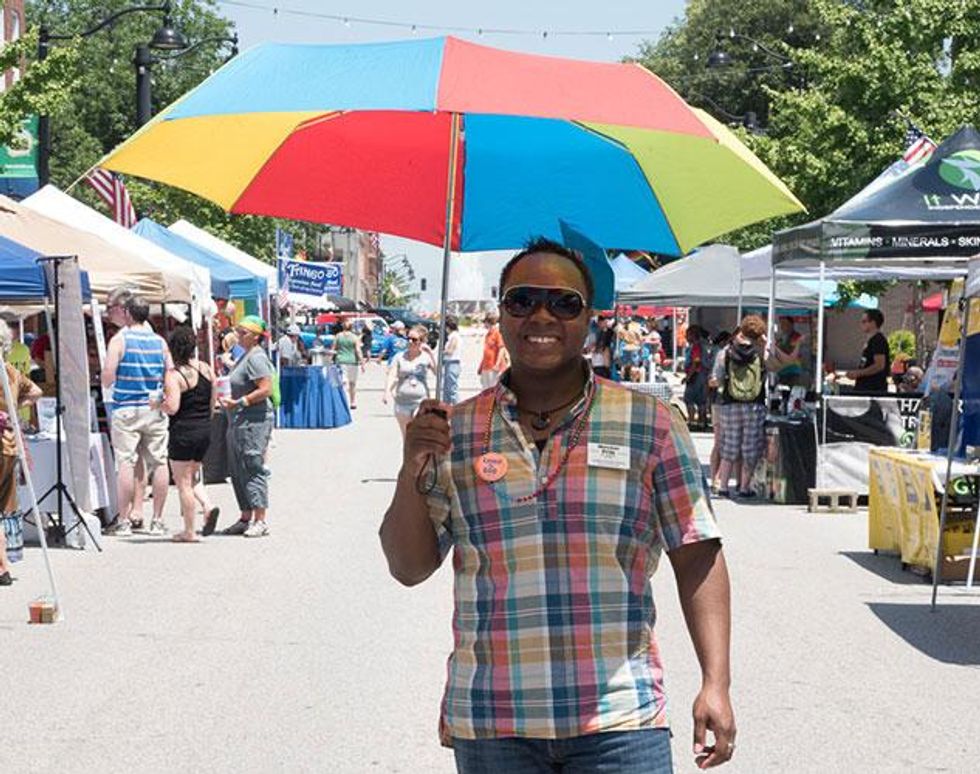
x=929, y=215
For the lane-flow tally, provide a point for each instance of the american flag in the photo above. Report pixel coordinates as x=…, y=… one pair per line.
x=282, y=297
x=918, y=146
x=110, y=188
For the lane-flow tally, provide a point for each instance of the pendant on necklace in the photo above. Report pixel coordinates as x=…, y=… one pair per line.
x=541, y=422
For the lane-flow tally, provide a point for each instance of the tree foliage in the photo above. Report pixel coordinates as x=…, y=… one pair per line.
x=860, y=71
x=100, y=111
x=44, y=87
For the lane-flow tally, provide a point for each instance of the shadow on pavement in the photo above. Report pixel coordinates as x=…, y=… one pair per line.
x=887, y=566
x=950, y=635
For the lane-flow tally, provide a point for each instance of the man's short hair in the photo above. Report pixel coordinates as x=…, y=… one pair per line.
x=135, y=304
x=543, y=245
x=875, y=316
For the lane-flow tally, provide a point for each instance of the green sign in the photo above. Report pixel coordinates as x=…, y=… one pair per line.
x=20, y=159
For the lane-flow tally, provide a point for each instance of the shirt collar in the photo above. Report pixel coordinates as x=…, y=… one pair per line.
x=506, y=400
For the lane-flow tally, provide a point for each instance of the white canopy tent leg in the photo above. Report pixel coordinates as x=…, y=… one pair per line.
x=818, y=380
x=25, y=470
x=673, y=333
x=973, y=551
x=950, y=450
x=99, y=331
x=738, y=311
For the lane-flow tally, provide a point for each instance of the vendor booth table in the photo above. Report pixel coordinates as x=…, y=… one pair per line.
x=903, y=513
x=313, y=397
x=101, y=473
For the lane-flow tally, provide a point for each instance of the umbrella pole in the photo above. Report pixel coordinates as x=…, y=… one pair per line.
x=447, y=245
x=950, y=451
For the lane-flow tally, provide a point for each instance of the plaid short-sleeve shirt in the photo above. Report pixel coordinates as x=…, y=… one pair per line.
x=554, y=612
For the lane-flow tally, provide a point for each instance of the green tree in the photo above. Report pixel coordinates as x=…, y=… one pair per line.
x=44, y=87
x=100, y=111
x=837, y=117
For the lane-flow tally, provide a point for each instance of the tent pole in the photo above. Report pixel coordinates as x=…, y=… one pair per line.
x=673, y=332
x=25, y=470
x=447, y=245
x=738, y=311
x=99, y=331
x=818, y=381
x=953, y=430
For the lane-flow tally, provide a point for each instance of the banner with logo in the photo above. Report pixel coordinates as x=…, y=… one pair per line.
x=18, y=162
x=309, y=283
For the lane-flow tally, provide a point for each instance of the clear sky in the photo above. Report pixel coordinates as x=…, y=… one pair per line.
x=610, y=18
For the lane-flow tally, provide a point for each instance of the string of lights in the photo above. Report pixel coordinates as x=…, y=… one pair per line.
x=414, y=28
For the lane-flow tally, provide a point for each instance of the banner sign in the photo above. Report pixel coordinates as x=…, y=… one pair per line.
x=284, y=244
x=309, y=283
x=18, y=162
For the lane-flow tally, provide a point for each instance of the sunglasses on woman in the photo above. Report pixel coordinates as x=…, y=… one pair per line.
x=414, y=340
x=525, y=300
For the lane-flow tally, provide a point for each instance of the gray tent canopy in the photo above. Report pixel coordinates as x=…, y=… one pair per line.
x=710, y=277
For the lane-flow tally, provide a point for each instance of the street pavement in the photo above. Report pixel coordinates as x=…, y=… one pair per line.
x=298, y=653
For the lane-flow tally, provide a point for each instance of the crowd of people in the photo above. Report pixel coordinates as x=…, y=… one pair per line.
x=161, y=399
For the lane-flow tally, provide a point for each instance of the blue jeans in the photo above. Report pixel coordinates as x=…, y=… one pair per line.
x=450, y=382
x=645, y=751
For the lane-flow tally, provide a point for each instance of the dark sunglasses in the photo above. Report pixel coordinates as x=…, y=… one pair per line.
x=525, y=300
x=413, y=340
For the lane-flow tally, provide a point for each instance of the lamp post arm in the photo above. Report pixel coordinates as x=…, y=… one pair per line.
x=216, y=39
x=108, y=21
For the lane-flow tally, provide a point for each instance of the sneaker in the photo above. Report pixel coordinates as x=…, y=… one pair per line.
x=257, y=529
x=158, y=528
x=6, y=580
x=120, y=528
x=240, y=527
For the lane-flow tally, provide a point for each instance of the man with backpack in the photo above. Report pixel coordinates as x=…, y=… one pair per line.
x=740, y=373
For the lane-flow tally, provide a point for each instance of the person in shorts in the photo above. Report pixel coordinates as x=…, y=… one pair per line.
x=347, y=354
x=189, y=396
x=135, y=364
x=740, y=373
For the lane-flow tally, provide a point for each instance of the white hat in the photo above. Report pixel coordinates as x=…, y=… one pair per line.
x=293, y=330
x=398, y=325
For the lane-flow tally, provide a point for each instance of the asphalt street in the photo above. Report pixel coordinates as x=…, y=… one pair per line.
x=297, y=652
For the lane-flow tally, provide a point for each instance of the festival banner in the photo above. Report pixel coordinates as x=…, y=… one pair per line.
x=310, y=283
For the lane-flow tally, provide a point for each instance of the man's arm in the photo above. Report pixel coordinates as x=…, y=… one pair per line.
x=408, y=537
x=877, y=365
x=703, y=588
x=113, y=355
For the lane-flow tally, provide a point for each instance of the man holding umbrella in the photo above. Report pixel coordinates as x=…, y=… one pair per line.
x=558, y=493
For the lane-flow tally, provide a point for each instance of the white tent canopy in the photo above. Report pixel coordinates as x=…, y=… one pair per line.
x=108, y=265
x=58, y=205
x=229, y=252
x=625, y=272
x=710, y=277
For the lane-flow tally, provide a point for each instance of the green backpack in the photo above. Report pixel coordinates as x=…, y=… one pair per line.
x=744, y=377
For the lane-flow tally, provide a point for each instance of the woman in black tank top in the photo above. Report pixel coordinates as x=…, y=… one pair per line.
x=188, y=399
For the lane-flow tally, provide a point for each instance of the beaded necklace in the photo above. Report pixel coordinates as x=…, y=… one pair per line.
x=572, y=443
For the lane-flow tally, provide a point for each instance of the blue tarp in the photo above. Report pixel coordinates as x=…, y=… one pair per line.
x=228, y=280
x=21, y=276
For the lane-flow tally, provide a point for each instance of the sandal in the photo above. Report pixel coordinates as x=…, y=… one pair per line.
x=210, y=522
x=180, y=537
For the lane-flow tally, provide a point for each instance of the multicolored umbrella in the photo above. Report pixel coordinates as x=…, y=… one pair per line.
x=424, y=138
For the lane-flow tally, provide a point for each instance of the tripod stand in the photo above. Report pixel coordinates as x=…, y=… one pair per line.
x=59, y=533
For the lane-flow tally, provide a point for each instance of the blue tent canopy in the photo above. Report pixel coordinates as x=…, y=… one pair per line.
x=228, y=280
x=22, y=277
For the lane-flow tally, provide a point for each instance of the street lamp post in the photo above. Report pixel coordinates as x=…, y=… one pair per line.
x=166, y=38
x=143, y=62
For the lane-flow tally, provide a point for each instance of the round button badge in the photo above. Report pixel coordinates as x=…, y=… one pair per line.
x=491, y=467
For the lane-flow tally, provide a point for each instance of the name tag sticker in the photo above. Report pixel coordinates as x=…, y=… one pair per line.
x=604, y=455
